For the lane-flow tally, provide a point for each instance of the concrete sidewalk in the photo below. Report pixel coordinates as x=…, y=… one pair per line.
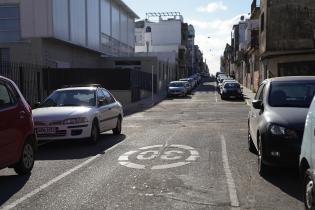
x=248, y=95
x=144, y=104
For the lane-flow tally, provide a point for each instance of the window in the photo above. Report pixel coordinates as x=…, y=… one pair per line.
x=108, y=97
x=260, y=92
x=101, y=96
x=6, y=97
x=9, y=23
x=262, y=22
x=291, y=94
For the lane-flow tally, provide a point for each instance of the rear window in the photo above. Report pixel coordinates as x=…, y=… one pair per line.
x=177, y=84
x=291, y=94
x=231, y=85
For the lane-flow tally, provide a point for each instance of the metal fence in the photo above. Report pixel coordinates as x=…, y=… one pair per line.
x=28, y=78
x=36, y=82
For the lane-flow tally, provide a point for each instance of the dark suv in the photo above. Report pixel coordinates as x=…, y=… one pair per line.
x=276, y=120
x=17, y=138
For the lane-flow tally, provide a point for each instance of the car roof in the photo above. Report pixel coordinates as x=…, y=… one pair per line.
x=291, y=78
x=178, y=82
x=77, y=88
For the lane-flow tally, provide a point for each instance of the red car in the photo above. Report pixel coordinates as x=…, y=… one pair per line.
x=17, y=138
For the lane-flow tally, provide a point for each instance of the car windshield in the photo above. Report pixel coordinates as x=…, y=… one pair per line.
x=70, y=98
x=291, y=94
x=231, y=85
x=177, y=84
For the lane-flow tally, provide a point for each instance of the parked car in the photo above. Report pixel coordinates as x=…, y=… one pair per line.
x=307, y=159
x=231, y=89
x=276, y=120
x=218, y=73
x=78, y=113
x=190, y=80
x=177, y=88
x=18, y=141
x=221, y=85
x=187, y=86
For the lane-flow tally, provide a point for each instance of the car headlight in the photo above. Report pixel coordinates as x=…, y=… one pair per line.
x=282, y=131
x=77, y=120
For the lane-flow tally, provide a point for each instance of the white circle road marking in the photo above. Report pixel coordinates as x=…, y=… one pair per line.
x=151, y=152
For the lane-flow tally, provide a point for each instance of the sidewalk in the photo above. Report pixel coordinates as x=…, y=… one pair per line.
x=142, y=105
x=248, y=95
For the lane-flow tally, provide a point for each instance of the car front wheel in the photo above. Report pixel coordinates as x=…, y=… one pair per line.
x=95, y=133
x=263, y=169
x=251, y=146
x=309, y=192
x=26, y=163
x=117, y=130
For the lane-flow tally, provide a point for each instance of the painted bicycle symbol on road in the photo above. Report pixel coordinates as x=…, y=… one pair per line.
x=158, y=157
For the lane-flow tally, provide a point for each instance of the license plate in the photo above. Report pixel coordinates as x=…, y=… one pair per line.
x=233, y=96
x=46, y=130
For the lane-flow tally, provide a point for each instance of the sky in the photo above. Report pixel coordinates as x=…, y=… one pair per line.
x=212, y=20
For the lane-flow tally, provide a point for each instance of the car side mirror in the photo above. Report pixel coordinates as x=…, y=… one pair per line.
x=101, y=102
x=36, y=105
x=257, y=104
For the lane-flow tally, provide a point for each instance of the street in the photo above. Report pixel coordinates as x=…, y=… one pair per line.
x=184, y=153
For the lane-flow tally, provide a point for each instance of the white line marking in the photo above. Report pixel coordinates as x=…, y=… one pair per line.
x=44, y=186
x=150, y=147
x=229, y=178
x=172, y=165
x=132, y=165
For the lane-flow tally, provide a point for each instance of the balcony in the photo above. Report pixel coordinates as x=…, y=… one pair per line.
x=253, y=43
x=255, y=6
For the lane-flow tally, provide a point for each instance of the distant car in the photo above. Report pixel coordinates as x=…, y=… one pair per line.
x=307, y=157
x=221, y=85
x=276, y=120
x=231, y=89
x=18, y=141
x=190, y=80
x=187, y=86
x=218, y=73
x=177, y=88
x=220, y=81
x=78, y=113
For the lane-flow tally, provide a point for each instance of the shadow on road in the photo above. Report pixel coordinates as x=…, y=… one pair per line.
x=77, y=149
x=178, y=97
x=10, y=185
x=288, y=181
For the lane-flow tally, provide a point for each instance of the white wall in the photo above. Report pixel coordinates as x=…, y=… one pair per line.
x=115, y=22
x=131, y=32
x=123, y=27
x=165, y=36
x=166, y=33
x=106, y=17
x=36, y=18
x=93, y=24
x=61, y=19
x=77, y=21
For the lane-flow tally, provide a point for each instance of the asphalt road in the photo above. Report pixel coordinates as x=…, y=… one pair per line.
x=188, y=153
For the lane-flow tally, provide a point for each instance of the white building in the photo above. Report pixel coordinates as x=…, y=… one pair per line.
x=162, y=36
x=65, y=33
x=169, y=34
